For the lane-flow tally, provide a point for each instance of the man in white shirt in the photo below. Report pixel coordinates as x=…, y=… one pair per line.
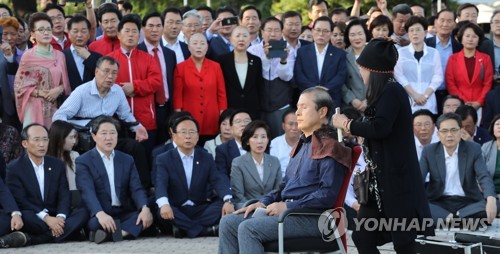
x=40, y=188
x=281, y=146
x=460, y=185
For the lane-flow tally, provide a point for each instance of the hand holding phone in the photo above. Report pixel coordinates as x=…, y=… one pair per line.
x=229, y=21
x=277, y=49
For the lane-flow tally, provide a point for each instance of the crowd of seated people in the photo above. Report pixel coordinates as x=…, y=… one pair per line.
x=184, y=115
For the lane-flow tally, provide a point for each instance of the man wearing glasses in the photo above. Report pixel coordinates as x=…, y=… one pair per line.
x=457, y=170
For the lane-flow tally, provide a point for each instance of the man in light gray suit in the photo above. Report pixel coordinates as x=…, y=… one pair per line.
x=455, y=168
x=255, y=173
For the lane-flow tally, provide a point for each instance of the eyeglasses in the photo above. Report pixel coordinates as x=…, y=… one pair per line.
x=452, y=131
x=44, y=29
x=322, y=31
x=108, y=72
x=184, y=133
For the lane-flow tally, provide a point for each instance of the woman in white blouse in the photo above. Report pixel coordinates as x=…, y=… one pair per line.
x=418, y=69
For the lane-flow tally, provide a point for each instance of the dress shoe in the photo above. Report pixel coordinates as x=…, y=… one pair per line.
x=13, y=240
x=177, y=232
x=100, y=236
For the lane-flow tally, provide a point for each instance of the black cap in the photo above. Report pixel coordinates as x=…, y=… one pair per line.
x=379, y=55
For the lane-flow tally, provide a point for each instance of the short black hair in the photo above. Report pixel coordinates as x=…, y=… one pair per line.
x=403, y=9
x=324, y=18
x=127, y=6
x=171, y=9
x=108, y=59
x=355, y=22
x=452, y=96
x=4, y=6
x=52, y=6
x=250, y=129
x=24, y=131
x=303, y=28
x=465, y=111
x=98, y=121
x=290, y=14
x=424, y=112
x=151, y=15
x=316, y=2
x=107, y=8
x=173, y=117
x=465, y=6
x=416, y=20
x=351, y=113
x=449, y=116
x=431, y=20
x=337, y=11
x=477, y=30
x=381, y=20
x=492, y=126
x=270, y=19
x=181, y=119
x=206, y=8
x=446, y=10
x=238, y=111
x=225, y=9
x=77, y=19
x=130, y=18
x=250, y=7
x=290, y=110
x=226, y=114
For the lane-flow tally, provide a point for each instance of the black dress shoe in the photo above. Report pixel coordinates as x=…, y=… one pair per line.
x=100, y=236
x=215, y=230
x=13, y=240
x=177, y=232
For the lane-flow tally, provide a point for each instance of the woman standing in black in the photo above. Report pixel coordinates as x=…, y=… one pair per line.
x=396, y=186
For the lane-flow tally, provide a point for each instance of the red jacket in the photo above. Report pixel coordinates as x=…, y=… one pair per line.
x=457, y=79
x=202, y=93
x=105, y=45
x=145, y=74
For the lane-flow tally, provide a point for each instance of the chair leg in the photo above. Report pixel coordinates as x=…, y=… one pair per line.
x=281, y=240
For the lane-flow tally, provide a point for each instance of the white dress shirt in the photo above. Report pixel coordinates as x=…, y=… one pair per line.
x=176, y=47
x=272, y=68
x=281, y=150
x=78, y=61
x=452, y=186
x=59, y=41
x=260, y=168
x=320, y=58
x=419, y=145
x=240, y=148
x=110, y=170
x=163, y=65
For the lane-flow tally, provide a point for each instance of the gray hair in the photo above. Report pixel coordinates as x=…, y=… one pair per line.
x=321, y=98
x=193, y=13
x=449, y=116
x=108, y=59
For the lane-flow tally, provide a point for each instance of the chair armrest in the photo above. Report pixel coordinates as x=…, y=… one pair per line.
x=249, y=202
x=298, y=211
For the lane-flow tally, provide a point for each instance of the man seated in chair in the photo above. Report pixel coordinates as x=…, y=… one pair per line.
x=110, y=187
x=312, y=180
x=456, y=171
x=183, y=177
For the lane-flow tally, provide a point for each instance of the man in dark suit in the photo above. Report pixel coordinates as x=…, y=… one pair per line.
x=445, y=44
x=10, y=219
x=40, y=188
x=110, y=187
x=152, y=25
x=80, y=62
x=321, y=63
x=183, y=177
x=225, y=153
x=472, y=132
x=173, y=24
x=9, y=112
x=220, y=44
x=456, y=171
x=491, y=106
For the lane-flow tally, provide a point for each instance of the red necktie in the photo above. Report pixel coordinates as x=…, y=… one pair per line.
x=160, y=94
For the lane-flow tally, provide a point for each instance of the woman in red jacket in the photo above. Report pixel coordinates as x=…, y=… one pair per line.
x=469, y=73
x=199, y=88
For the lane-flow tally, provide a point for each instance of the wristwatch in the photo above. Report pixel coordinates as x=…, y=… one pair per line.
x=16, y=213
x=228, y=200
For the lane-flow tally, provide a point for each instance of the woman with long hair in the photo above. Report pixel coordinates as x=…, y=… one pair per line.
x=62, y=139
x=396, y=189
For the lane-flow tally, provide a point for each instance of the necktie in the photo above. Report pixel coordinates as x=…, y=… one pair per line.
x=160, y=94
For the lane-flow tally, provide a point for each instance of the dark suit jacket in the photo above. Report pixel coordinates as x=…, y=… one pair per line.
x=88, y=71
x=7, y=201
x=333, y=72
x=2, y=168
x=23, y=184
x=471, y=168
x=224, y=155
x=170, y=63
x=93, y=183
x=482, y=136
x=248, y=97
x=217, y=48
x=491, y=106
x=455, y=45
x=171, y=178
x=155, y=153
x=488, y=48
x=185, y=50
x=8, y=100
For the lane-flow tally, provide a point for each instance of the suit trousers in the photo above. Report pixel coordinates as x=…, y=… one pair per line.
x=73, y=223
x=463, y=207
x=127, y=221
x=4, y=223
x=195, y=219
x=239, y=235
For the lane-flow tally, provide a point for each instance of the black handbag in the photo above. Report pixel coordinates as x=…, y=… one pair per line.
x=361, y=185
